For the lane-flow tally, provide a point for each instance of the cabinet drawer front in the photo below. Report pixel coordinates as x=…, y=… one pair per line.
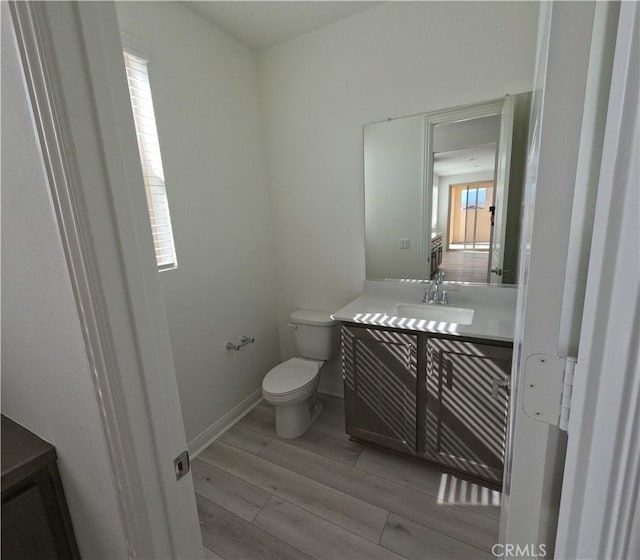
x=467, y=406
x=380, y=375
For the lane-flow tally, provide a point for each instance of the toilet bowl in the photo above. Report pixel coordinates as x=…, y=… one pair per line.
x=291, y=386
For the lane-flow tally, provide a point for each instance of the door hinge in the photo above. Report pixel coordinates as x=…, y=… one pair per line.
x=182, y=464
x=567, y=391
x=548, y=384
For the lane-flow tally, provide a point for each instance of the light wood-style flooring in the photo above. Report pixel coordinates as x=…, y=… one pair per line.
x=322, y=496
x=465, y=266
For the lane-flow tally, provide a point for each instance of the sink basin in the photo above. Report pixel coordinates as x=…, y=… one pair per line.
x=439, y=313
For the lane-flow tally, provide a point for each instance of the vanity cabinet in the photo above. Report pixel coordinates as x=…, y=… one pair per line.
x=437, y=398
x=35, y=518
x=436, y=254
x=466, y=408
x=381, y=386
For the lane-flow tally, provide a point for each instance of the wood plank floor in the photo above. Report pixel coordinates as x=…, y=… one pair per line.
x=465, y=266
x=324, y=497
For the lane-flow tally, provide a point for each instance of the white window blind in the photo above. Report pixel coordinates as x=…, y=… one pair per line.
x=151, y=161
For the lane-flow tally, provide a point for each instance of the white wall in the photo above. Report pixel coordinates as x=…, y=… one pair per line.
x=46, y=381
x=443, y=196
x=205, y=93
x=401, y=58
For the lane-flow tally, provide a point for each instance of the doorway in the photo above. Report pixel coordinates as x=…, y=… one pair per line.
x=465, y=169
x=521, y=521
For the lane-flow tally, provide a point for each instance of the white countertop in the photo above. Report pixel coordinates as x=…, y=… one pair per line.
x=494, y=308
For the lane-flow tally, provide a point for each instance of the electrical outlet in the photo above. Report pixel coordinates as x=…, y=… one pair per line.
x=404, y=243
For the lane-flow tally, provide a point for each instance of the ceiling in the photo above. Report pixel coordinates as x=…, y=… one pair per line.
x=470, y=160
x=259, y=25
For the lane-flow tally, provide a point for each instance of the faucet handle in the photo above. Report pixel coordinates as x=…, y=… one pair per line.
x=431, y=293
x=427, y=291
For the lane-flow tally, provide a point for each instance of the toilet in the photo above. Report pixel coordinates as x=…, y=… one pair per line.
x=291, y=386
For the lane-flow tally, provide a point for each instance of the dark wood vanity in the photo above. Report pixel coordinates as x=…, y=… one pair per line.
x=440, y=398
x=35, y=518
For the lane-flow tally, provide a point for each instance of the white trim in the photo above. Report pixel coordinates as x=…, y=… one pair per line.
x=535, y=455
x=457, y=114
x=599, y=509
x=588, y=169
x=72, y=58
x=42, y=80
x=466, y=112
x=152, y=390
x=203, y=440
x=501, y=179
x=331, y=393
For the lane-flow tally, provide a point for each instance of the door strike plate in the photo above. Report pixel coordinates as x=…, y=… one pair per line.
x=182, y=464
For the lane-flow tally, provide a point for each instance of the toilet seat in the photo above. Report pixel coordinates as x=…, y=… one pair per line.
x=291, y=376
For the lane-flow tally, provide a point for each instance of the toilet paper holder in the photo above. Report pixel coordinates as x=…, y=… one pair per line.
x=244, y=340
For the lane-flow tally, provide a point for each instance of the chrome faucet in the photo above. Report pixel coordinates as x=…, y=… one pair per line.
x=435, y=293
x=431, y=293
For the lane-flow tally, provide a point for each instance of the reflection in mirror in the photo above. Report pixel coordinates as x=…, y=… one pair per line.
x=464, y=165
x=466, y=223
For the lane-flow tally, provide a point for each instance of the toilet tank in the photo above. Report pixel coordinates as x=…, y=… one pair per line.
x=317, y=334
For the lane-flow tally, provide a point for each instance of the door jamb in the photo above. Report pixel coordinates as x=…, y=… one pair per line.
x=158, y=516
x=62, y=174
x=602, y=473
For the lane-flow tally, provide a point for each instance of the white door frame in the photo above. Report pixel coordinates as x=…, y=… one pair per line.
x=599, y=508
x=562, y=155
x=535, y=451
x=72, y=59
x=457, y=114
x=502, y=174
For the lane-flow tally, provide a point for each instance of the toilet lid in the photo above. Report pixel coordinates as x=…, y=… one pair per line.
x=290, y=376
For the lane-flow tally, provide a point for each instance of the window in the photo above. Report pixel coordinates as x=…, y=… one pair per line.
x=473, y=199
x=151, y=161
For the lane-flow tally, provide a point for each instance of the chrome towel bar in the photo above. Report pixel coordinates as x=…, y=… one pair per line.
x=244, y=340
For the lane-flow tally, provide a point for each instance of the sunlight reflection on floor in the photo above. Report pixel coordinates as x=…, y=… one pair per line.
x=455, y=491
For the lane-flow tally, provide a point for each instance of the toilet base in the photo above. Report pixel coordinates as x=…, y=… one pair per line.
x=293, y=421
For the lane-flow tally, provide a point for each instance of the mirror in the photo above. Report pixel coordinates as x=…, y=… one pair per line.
x=443, y=192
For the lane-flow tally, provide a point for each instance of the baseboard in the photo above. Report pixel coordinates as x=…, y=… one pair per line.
x=331, y=395
x=329, y=390
x=219, y=427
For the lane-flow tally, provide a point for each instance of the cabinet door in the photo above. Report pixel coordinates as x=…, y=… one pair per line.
x=380, y=382
x=35, y=518
x=26, y=532
x=467, y=406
